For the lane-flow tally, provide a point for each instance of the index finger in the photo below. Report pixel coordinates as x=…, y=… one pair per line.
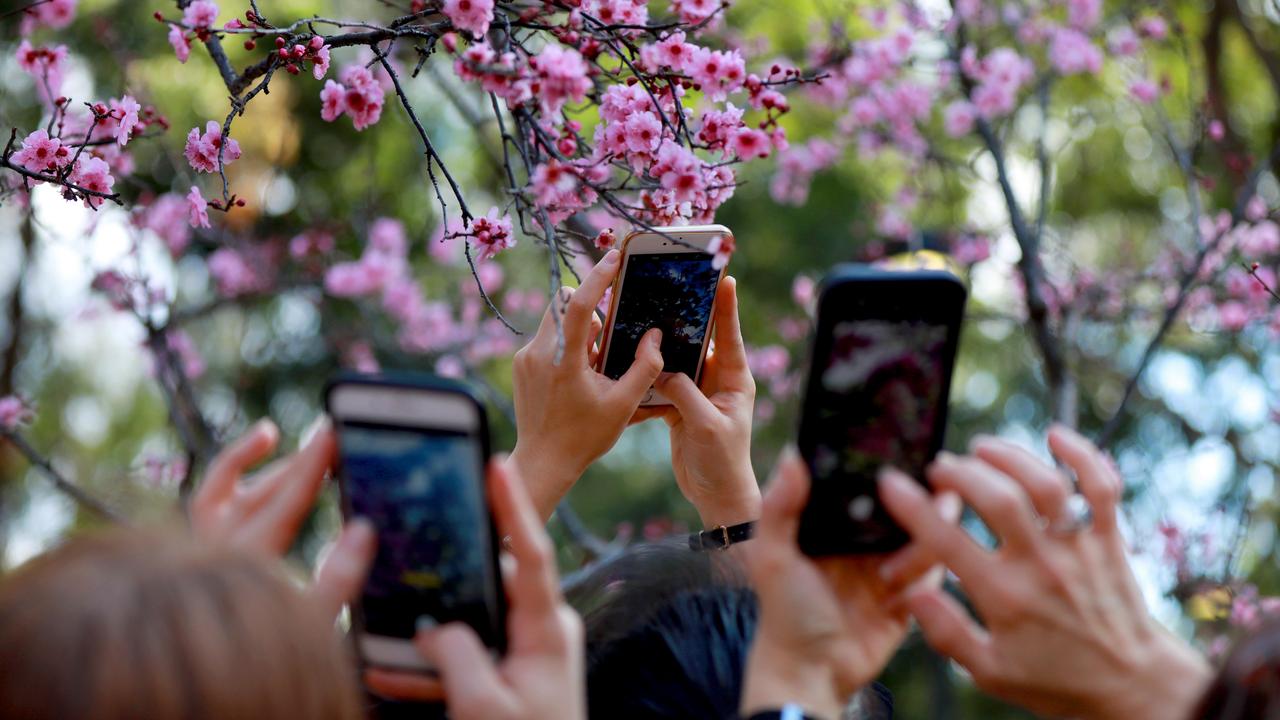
x=536, y=586
x=911, y=507
x=234, y=460
x=1097, y=479
x=731, y=351
x=582, y=306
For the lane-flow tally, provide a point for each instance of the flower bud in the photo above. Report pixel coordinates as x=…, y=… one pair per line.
x=280, y=42
x=250, y=44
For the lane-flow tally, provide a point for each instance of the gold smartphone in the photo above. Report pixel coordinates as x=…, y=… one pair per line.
x=667, y=281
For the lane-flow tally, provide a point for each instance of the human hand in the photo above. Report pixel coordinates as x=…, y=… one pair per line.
x=343, y=568
x=711, y=427
x=827, y=625
x=542, y=675
x=567, y=414
x=1065, y=630
x=261, y=513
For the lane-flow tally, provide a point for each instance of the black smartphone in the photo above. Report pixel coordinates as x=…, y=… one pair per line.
x=412, y=456
x=882, y=355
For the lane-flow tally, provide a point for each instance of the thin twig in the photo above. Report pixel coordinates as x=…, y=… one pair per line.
x=60, y=481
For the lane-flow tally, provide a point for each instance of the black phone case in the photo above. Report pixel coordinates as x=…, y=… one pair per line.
x=413, y=381
x=822, y=530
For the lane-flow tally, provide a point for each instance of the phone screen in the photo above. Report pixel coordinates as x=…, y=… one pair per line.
x=673, y=292
x=876, y=398
x=422, y=490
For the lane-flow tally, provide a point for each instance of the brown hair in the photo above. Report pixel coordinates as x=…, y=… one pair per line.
x=128, y=624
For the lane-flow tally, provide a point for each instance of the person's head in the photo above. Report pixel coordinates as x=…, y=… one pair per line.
x=668, y=633
x=129, y=623
x=1248, y=685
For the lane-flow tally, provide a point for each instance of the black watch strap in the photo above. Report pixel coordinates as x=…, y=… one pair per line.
x=720, y=538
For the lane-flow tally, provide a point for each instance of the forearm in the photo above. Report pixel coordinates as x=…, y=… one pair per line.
x=546, y=478
x=774, y=679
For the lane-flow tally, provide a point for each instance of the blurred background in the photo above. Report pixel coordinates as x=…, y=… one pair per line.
x=1199, y=444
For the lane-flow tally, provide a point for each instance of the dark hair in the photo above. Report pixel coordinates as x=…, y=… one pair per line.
x=668, y=632
x=131, y=623
x=1248, y=685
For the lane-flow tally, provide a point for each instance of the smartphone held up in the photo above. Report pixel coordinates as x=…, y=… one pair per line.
x=668, y=280
x=412, y=458
x=882, y=356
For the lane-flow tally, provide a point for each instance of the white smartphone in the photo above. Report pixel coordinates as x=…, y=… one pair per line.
x=412, y=459
x=667, y=281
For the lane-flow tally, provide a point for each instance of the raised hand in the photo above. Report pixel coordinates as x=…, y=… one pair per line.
x=1065, y=631
x=711, y=426
x=828, y=625
x=567, y=414
x=262, y=512
x=542, y=675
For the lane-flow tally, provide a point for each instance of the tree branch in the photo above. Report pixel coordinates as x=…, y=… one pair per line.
x=68, y=488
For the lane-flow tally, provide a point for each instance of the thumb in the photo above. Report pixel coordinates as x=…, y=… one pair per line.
x=688, y=399
x=648, y=364
x=470, y=679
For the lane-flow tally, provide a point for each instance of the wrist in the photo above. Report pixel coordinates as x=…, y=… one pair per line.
x=1169, y=680
x=776, y=678
x=546, y=477
x=740, y=504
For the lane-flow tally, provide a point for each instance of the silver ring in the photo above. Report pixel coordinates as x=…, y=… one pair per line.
x=1076, y=515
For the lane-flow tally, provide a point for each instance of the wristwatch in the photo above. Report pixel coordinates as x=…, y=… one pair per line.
x=720, y=538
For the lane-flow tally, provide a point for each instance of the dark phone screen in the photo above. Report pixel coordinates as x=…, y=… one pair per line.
x=421, y=489
x=670, y=291
x=875, y=399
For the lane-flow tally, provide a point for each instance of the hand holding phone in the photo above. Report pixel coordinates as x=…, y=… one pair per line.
x=412, y=458
x=879, y=377
x=668, y=281
x=711, y=426
x=542, y=676
x=567, y=414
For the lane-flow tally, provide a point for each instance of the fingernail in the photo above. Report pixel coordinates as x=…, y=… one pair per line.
x=425, y=623
x=655, y=336
x=313, y=429
x=611, y=257
x=978, y=441
x=945, y=458
x=361, y=530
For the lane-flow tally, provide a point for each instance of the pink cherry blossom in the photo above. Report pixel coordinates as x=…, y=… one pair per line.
x=671, y=52
x=46, y=65
x=1072, y=52
x=492, y=234
x=1123, y=41
x=618, y=12
x=718, y=72
x=94, y=174
x=1001, y=74
x=473, y=16
x=1216, y=130
x=1144, y=91
x=768, y=363
x=721, y=247
x=128, y=109
x=320, y=67
x=749, y=143
x=53, y=14
x=360, y=357
x=166, y=216
x=387, y=236
x=13, y=412
x=41, y=153
x=450, y=366
x=1084, y=14
x=197, y=209
x=803, y=291
x=692, y=12
x=958, y=118
x=357, y=94
x=679, y=170
x=562, y=77
x=201, y=14
x=232, y=273
x=180, y=43
x=353, y=279
x=202, y=150
x=643, y=132
x=1153, y=27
